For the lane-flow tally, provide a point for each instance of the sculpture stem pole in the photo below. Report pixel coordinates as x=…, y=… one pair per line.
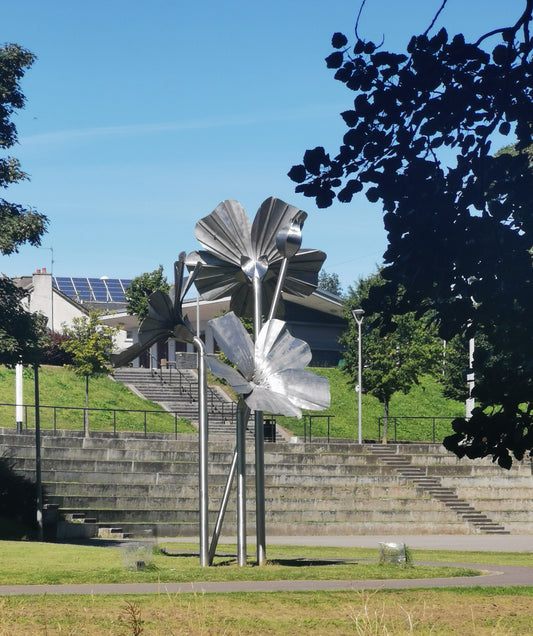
x=242, y=417
x=222, y=511
x=260, y=526
x=203, y=458
x=279, y=286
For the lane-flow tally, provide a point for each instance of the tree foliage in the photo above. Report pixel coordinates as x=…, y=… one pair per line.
x=90, y=344
x=55, y=353
x=459, y=217
x=330, y=283
x=140, y=288
x=18, y=225
x=21, y=334
x=393, y=361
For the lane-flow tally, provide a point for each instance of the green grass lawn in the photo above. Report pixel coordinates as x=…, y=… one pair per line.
x=66, y=563
x=60, y=387
x=471, y=610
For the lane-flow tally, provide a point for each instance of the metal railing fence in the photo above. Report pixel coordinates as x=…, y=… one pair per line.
x=399, y=428
x=111, y=420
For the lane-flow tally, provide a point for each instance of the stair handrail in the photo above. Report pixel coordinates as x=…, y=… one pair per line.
x=215, y=403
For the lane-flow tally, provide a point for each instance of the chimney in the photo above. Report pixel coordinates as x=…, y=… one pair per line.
x=44, y=270
x=38, y=271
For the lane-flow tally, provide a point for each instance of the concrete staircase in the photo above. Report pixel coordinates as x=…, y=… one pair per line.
x=176, y=390
x=126, y=484
x=433, y=486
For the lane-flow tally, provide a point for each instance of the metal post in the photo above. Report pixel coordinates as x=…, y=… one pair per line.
x=222, y=511
x=19, y=398
x=243, y=413
x=203, y=449
x=260, y=524
x=38, y=481
x=358, y=317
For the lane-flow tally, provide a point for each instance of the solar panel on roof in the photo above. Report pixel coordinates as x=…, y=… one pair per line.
x=93, y=289
x=99, y=289
x=83, y=291
x=64, y=285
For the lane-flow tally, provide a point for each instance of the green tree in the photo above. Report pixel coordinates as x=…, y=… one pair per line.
x=22, y=334
x=393, y=361
x=90, y=343
x=140, y=288
x=459, y=218
x=330, y=283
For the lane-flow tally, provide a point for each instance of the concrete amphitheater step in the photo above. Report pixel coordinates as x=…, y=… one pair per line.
x=136, y=484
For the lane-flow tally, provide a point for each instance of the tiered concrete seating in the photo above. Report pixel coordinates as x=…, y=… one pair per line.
x=129, y=484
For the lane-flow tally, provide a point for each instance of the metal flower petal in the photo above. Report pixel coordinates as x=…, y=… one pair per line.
x=235, y=250
x=275, y=380
x=164, y=319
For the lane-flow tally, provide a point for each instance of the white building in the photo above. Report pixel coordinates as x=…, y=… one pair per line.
x=318, y=319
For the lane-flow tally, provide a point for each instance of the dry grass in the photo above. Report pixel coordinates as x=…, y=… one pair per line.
x=438, y=612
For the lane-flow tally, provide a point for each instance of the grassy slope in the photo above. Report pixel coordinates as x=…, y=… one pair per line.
x=60, y=387
x=424, y=400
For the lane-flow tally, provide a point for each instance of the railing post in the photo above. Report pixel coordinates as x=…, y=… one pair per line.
x=145, y=423
x=175, y=425
x=54, y=419
x=114, y=422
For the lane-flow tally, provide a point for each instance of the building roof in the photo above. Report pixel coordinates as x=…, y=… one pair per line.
x=319, y=300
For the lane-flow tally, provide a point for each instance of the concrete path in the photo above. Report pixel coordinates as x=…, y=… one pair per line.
x=493, y=576
x=468, y=542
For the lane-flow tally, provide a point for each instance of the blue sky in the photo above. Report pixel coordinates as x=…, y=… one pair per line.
x=142, y=116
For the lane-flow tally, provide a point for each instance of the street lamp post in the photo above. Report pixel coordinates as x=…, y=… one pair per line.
x=358, y=317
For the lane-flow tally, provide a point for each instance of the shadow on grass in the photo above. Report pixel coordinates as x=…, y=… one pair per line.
x=291, y=562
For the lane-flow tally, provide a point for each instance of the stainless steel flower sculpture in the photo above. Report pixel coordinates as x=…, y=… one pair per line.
x=237, y=250
x=164, y=319
x=270, y=374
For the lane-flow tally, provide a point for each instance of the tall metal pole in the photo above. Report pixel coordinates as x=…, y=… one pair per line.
x=243, y=413
x=19, y=397
x=38, y=481
x=358, y=317
x=203, y=457
x=260, y=523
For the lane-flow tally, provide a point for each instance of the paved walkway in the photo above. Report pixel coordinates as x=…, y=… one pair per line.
x=470, y=542
x=493, y=576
